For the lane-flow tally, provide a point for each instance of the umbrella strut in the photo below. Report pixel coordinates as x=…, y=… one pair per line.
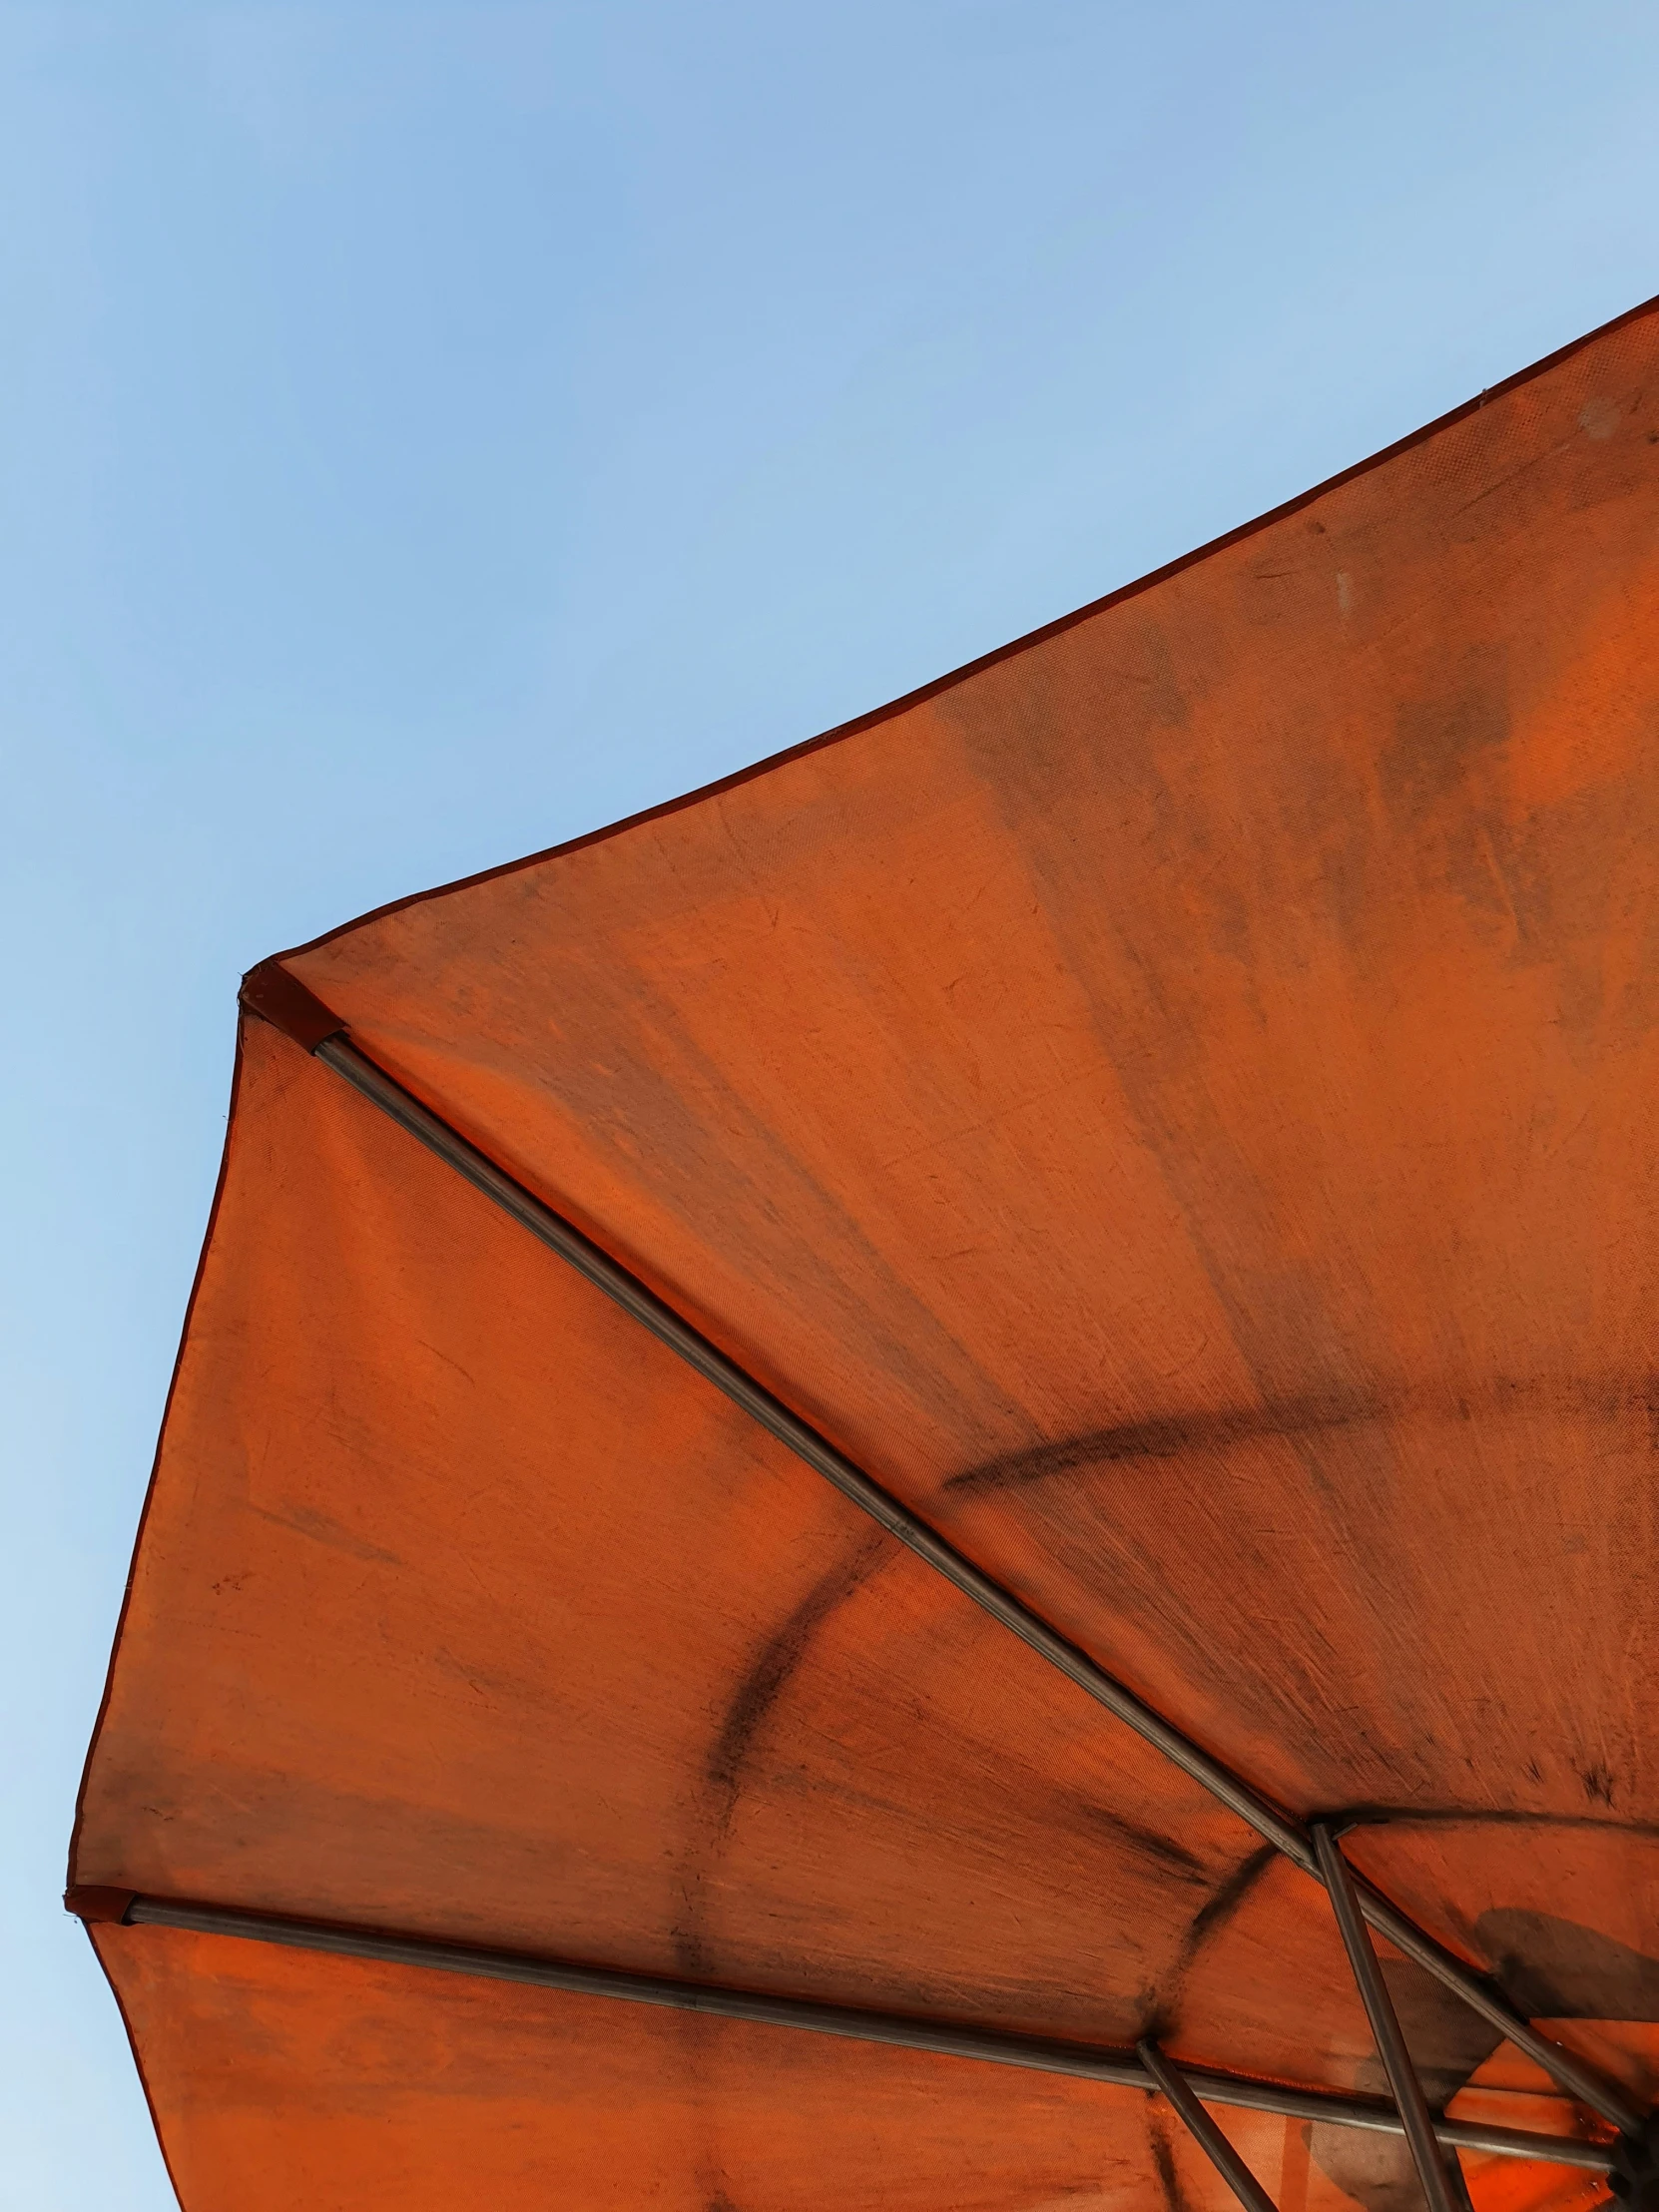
x=1412, y=2105
x=1210, y=2138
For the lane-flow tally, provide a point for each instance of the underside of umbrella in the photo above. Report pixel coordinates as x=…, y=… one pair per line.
x=930, y=1482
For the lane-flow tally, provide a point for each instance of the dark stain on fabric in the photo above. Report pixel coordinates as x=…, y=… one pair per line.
x=1220, y=1908
x=776, y=1661
x=1076, y=1812
x=1163, y=2160
x=1464, y=1816
x=1170, y=1437
x=322, y=1528
x=1554, y=1970
x=755, y=1696
x=1447, y=2041
x=1375, y=2170
x=697, y=1131
x=1161, y=2007
x=1201, y=1433
x=1437, y=741
x=1550, y=1968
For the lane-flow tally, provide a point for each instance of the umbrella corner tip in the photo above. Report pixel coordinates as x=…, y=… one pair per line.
x=270, y=991
x=92, y=1902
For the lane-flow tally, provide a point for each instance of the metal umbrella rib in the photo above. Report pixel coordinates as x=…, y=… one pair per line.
x=280, y=997
x=907, y=2032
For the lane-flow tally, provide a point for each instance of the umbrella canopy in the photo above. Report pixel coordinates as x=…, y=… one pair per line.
x=863, y=1462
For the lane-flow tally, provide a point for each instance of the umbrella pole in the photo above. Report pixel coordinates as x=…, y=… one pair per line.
x=1385, y=2022
x=1209, y=2137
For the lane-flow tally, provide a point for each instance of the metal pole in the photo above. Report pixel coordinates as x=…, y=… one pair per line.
x=1384, y=2023
x=606, y=1275
x=280, y=997
x=1041, y=2054
x=1210, y=2138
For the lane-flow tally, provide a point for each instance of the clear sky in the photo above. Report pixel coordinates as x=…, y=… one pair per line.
x=433, y=430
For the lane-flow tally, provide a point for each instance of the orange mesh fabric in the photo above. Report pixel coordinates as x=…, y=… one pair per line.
x=1177, y=1104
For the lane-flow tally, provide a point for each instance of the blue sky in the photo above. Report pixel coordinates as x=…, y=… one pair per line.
x=431, y=431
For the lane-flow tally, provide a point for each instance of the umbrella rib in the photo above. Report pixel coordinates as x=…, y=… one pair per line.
x=1385, y=2022
x=716, y=1366
x=906, y=2031
x=1209, y=2139
x=280, y=998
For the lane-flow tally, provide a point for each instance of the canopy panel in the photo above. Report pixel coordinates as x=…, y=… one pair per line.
x=1179, y=1105
x=297, y=2079
x=1175, y=1103
x=463, y=1608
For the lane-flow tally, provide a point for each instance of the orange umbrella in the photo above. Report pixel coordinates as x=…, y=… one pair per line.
x=928, y=1483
